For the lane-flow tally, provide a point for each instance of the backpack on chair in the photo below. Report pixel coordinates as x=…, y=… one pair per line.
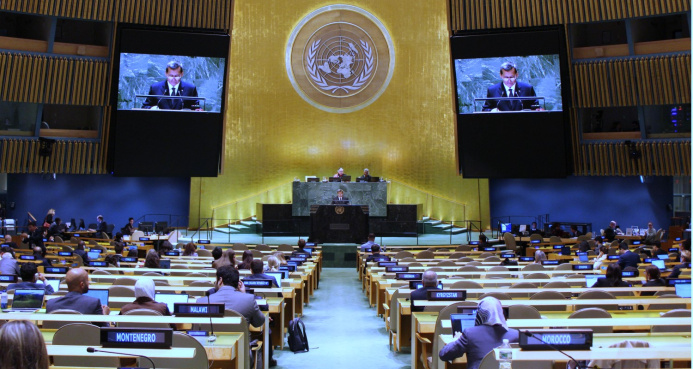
x=298, y=341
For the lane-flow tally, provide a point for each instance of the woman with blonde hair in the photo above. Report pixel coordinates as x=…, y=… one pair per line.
x=280, y=256
x=272, y=264
x=23, y=346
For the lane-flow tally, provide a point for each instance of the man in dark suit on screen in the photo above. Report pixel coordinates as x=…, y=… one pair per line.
x=340, y=199
x=510, y=87
x=172, y=86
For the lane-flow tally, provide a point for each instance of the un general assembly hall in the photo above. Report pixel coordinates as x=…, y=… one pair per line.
x=410, y=184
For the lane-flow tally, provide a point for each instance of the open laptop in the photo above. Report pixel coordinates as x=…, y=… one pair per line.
x=278, y=276
x=591, y=279
x=55, y=283
x=463, y=320
x=663, y=256
x=26, y=301
x=584, y=258
x=102, y=295
x=171, y=298
x=659, y=264
x=165, y=264
x=683, y=290
x=93, y=255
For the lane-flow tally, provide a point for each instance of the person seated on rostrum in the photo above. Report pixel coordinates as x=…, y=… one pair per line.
x=685, y=264
x=247, y=259
x=430, y=282
x=23, y=346
x=488, y=333
x=77, y=281
x=228, y=257
x=614, y=277
x=375, y=255
x=190, y=249
x=30, y=276
x=627, y=258
x=534, y=230
x=256, y=268
x=652, y=279
x=301, y=246
x=8, y=263
x=145, y=292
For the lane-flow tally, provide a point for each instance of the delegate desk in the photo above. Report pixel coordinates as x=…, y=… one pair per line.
x=424, y=324
x=225, y=350
x=668, y=346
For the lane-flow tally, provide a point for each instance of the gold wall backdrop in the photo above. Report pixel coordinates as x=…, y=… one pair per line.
x=273, y=136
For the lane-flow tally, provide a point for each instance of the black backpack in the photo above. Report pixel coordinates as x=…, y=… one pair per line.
x=298, y=341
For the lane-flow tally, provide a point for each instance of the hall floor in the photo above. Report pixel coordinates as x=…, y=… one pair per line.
x=343, y=332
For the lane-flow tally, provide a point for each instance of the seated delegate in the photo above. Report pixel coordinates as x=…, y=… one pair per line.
x=145, y=293
x=614, y=277
x=430, y=282
x=30, y=275
x=477, y=341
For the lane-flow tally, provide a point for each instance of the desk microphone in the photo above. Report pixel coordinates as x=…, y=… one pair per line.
x=212, y=337
x=92, y=350
x=529, y=334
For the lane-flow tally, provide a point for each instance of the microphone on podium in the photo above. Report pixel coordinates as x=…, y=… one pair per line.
x=92, y=350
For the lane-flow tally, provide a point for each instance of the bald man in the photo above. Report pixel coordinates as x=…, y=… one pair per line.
x=77, y=281
x=8, y=242
x=430, y=282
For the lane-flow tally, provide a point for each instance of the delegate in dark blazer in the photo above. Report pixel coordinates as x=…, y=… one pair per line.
x=76, y=301
x=337, y=201
x=521, y=90
x=161, y=88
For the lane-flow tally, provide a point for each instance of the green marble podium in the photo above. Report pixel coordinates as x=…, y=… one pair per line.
x=373, y=194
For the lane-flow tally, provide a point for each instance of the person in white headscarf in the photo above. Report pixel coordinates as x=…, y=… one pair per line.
x=488, y=333
x=144, y=298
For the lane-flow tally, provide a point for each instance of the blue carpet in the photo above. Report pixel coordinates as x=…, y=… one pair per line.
x=343, y=332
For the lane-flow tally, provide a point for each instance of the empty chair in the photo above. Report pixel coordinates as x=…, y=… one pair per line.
x=415, y=264
x=144, y=325
x=161, y=282
x=58, y=239
x=182, y=273
x=463, y=248
x=407, y=259
x=666, y=295
x=475, y=263
x=676, y=313
x=471, y=268
x=484, y=255
x=446, y=263
x=257, y=253
x=124, y=281
x=523, y=312
x=120, y=291
x=425, y=255
x=535, y=237
x=241, y=247
x=537, y=276
x=100, y=280
x=456, y=255
x=436, y=269
x=67, y=248
x=559, y=284
x=564, y=266
x=465, y=259
x=468, y=285
x=498, y=295
x=56, y=325
x=81, y=334
x=285, y=248
x=509, y=241
x=181, y=340
x=521, y=294
x=548, y=295
x=497, y=268
x=594, y=313
x=533, y=267
x=403, y=254
x=555, y=239
x=492, y=259
x=597, y=295
x=263, y=247
x=204, y=253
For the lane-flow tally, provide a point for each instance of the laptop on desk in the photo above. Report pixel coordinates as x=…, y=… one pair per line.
x=659, y=263
x=102, y=295
x=462, y=320
x=170, y=299
x=584, y=258
x=591, y=279
x=683, y=290
x=26, y=301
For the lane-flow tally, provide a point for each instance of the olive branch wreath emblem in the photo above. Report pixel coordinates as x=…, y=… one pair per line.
x=322, y=83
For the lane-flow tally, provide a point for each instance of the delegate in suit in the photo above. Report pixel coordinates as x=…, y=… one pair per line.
x=172, y=86
x=510, y=87
x=77, y=281
x=340, y=199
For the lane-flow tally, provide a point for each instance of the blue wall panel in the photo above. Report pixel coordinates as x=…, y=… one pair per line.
x=86, y=196
x=586, y=199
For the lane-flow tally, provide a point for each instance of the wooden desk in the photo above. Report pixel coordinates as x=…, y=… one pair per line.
x=667, y=346
x=70, y=350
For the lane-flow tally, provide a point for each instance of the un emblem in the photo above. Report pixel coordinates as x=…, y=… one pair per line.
x=340, y=58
